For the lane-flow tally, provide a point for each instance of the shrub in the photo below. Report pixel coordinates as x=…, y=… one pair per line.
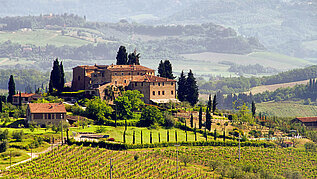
x=3, y=146
x=100, y=129
x=18, y=135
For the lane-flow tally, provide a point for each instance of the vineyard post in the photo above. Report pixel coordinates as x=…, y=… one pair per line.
x=176, y=145
x=141, y=137
x=159, y=137
x=175, y=135
x=31, y=153
x=116, y=117
x=62, y=131
x=110, y=168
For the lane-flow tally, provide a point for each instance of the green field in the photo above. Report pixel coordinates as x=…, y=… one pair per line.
x=41, y=37
x=286, y=109
x=88, y=162
x=208, y=62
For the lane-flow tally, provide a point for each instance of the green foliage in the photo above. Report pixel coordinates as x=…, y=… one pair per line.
x=255, y=133
x=18, y=135
x=181, y=90
x=135, y=97
x=57, y=78
x=133, y=58
x=191, y=89
x=200, y=117
x=122, y=58
x=310, y=146
x=98, y=110
x=3, y=146
x=151, y=116
x=169, y=120
x=100, y=129
x=165, y=69
x=49, y=99
x=11, y=88
x=4, y=135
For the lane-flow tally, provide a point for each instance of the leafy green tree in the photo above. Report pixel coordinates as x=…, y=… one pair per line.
x=124, y=107
x=122, y=56
x=181, y=90
x=11, y=88
x=97, y=110
x=200, y=117
x=135, y=97
x=191, y=89
x=151, y=116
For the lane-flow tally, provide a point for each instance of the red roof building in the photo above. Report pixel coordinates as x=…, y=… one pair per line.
x=25, y=98
x=307, y=121
x=45, y=113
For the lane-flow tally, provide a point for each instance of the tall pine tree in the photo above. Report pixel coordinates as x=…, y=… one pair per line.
x=11, y=88
x=191, y=89
x=181, y=90
x=208, y=119
x=214, y=104
x=161, y=69
x=253, y=108
x=200, y=117
x=122, y=56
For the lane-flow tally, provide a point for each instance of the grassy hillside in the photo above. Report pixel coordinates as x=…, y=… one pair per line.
x=262, y=88
x=212, y=62
x=41, y=37
x=286, y=109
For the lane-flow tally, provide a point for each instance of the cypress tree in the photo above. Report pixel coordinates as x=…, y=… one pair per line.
x=124, y=136
x=175, y=135
x=181, y=90
x=192, y=89
x=133, y=137
x=253, y=108
x=50, y=87
x=122, y=56
x=191, y=120
x=159, y=137
x=0, y=105
x=208, y=119
x=206, y=133
x=224, y=135
x=195, y=133
x=57, y=77
x=214, y=104
x=215, y=134
x=133, y=58
x=62, y=82
x=200, y=117
x=11, y=88
x=161, y=69
x=209, y=102
x=168, y=135
x=186, y=136
x=151, y=137
x=168, y=69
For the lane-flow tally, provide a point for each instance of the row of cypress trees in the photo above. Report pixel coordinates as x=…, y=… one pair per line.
x=57, y=78
x=187, y=88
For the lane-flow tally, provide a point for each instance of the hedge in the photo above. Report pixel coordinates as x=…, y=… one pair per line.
x=130, y=122
x=122, y=146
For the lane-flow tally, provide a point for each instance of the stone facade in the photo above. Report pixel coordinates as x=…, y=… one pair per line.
x=25, y=98
x=45, y=113
x=134, y=77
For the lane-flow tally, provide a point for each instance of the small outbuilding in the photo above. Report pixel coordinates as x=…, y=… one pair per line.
x=45, y=113
x=307, y=121
x=25, y=98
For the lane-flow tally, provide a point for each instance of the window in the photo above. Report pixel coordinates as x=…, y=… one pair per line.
x=115, y=82
x=142, y=84
x=153, y=84
x=153, y=93
x=136, y=84
x=125, y=81
x=122, y=74
x=172, y=83
x=159, y=92
x=78, y=78
x=163, y=84
x=159, y=84
x=103, y=74
x=172, y=92
x=129, y=73
x=115, y=74
x=163, y=92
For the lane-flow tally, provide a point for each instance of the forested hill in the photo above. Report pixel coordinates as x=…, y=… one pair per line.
x=242, y=84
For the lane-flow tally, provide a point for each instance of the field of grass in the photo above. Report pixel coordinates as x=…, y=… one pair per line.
x=117, y=134
x=263, y=88
x=41, y=37
x=286, y=109
x=87, y=162
x=208, y=62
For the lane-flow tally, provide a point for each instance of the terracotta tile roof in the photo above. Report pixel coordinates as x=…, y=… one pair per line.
x=128, y=68
x=47, y=108
x=151, y=78
x=307, y=119
x=93, y=67
x=24, y=95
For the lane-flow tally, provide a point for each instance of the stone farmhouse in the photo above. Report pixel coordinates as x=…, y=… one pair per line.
x=25, y=98
x=95, y=79
x=45, y=113
x=307, y=121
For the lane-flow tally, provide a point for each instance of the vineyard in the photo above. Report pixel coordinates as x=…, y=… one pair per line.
x=194, y=162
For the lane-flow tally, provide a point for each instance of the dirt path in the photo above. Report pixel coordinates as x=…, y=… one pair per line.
x=34, y=155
